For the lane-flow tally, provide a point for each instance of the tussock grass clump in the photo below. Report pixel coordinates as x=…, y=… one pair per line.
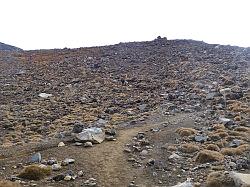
x=239, y=107
x=217, y=135
x=219, y=126
x=219, y=179
x=205, y=156
x=242, y=129
x=212, y=147
x=222, y=143
x=169, y=147
x=238, y=133
x=237, y=118
x=35, y=172
x=186, y=131
x=189, y=148
x=5, y=183
x=235, y=151
x=221, y=134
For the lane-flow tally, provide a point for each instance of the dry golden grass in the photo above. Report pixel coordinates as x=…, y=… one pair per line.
x=189, y=148
x=219, y=126
x=242, y=129
x=238, y=133
x=205, y=156
x=219, y=179
x=212, y=147
x=5, y=183
x=35, y=172
x=186, y=131
x=235, y=151
x=169, y=147
x=237, y=118
x=218, y=134
x=218, y=168
x=222, y=143
x=238, y=106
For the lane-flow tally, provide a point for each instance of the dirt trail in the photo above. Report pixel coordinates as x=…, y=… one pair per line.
x=106, y=162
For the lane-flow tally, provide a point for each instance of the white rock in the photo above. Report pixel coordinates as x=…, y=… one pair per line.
x=241, y=179
x=67, y=178
x=61, y=144
x=174, y=156
x=80, y=173
x=67, y=161
x=224, y=120
x=93, y=134
x=45, y=95
x=144, y=152
x=88, y=144
x=56, y=167
x=225, y=91
x=187, y=183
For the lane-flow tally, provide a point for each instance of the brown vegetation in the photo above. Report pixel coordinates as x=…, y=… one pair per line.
x=189, y=148
x=219, y=179
x=212, y=147
x=205, y=156
x=186, y=131
x=5, y=183
x=235, y=151
x=35, y=172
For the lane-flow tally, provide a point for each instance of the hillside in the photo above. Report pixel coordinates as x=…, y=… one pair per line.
x=132, y=114
x=6, y=47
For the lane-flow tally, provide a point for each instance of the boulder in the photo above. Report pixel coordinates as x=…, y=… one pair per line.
x=93, y=134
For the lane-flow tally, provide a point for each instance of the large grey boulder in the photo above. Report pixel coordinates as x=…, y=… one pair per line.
x=93, y=134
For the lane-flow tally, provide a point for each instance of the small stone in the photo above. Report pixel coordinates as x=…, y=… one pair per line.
x=151, y=162
x=78, y=144
x=36, y=158
x=45, y=95
x=144, y=152
x=88, y=144
x=80, y=173
x=68, y=161
x=90, y=182
x=235, y=143
x=200, y=138
x=211, y=95
x=174, y=156
x=56, y=167
x=61, y=144
x=131, y=159
x=51, y=161
x=197, y=184
x=58, y=177
x=67, y=178
x=127, y=150
x=224, y=120
x=110, y=132
x=140, y=135
x=187, y=183
x=232, y=165
x=110, y=138
x=78, y=127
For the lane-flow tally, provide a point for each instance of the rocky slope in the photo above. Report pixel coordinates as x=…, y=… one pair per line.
x=167, y=109
x=6, y=47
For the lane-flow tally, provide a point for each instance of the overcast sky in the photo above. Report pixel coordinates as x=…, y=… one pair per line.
x=37, y=24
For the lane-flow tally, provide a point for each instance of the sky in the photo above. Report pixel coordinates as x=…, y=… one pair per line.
x=47, y=24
